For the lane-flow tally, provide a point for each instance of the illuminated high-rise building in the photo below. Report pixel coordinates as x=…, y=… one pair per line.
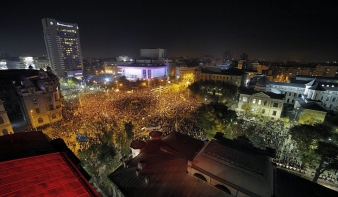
x=63, y=46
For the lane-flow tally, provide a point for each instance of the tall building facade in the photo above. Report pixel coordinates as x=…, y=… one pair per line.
x=227, y=55
x=63, y=46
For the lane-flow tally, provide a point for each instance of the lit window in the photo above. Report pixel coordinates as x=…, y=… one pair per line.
x=254, y=101
x=259, y=102
x=245, y=99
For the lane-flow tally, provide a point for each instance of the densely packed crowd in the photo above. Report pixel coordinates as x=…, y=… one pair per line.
x=93, y=112
x=274, y=134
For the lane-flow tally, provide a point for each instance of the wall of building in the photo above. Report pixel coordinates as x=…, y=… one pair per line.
x=261, y=104
x=234, y=79
x=5, y=124
x=325, y=71
x=154, y=53
x=185, y=73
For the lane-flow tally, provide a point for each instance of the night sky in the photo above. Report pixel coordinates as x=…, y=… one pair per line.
x=265, y=30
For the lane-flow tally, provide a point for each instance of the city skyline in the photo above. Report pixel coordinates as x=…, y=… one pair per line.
x=263, y=30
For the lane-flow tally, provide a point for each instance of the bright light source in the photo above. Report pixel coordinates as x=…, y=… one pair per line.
x=107, y=79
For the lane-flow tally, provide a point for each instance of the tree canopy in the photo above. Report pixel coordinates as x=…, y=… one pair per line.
x=306, y=118
x=100, y=157
x=216, y=117
x=128, y=126
x=225, y=91
x=316, y=144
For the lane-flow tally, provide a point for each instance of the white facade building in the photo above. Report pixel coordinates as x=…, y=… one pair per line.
x=143, y=71
x=5, y=124
x=152, y=64
x=63, y=45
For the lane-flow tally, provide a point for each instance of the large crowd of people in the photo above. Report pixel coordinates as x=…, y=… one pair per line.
x=93, y=112
x=274, y=134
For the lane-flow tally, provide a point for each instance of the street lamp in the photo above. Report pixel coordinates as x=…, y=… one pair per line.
x=32, y=118
x=296, y=113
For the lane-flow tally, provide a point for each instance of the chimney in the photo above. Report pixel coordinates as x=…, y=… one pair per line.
x=141, y=165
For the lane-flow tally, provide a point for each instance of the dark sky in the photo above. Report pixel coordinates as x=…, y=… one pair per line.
x=265, y=30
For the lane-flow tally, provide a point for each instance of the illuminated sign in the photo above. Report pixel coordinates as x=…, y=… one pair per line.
x=64, y=24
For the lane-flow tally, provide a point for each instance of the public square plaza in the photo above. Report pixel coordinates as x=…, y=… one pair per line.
x=92, y=111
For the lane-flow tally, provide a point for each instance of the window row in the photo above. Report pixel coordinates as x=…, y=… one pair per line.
x=263, y=111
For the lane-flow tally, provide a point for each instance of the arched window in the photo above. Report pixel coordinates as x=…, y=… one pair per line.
x=223, y=188
x=1, y=120
x=200, y=177
x=40, y=120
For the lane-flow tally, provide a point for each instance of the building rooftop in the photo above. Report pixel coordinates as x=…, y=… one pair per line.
x=44, y=175
x=317, y=87
x=218, y=70
x=312, y=105
x=238, y=165
x=143, y=65
x=164, y=164
x=318, y=79
x=270, y=94
x=299, y=85
x=24, y=144
x=33, y=165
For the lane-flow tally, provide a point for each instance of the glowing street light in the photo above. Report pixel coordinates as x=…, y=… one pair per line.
x=32, y=118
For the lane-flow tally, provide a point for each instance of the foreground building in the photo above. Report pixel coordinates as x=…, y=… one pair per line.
x=63, y=46
x=33, y=165
x=160, y=169
x=235, y=168
x=179, y=165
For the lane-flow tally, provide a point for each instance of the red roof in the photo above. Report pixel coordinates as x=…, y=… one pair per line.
x=44, y=175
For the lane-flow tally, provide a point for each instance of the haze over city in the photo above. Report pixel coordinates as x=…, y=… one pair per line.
x=284, y=30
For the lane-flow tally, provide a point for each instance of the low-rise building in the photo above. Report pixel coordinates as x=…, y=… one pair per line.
x=231, y=75
x=180, y=165
x=261, y=103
